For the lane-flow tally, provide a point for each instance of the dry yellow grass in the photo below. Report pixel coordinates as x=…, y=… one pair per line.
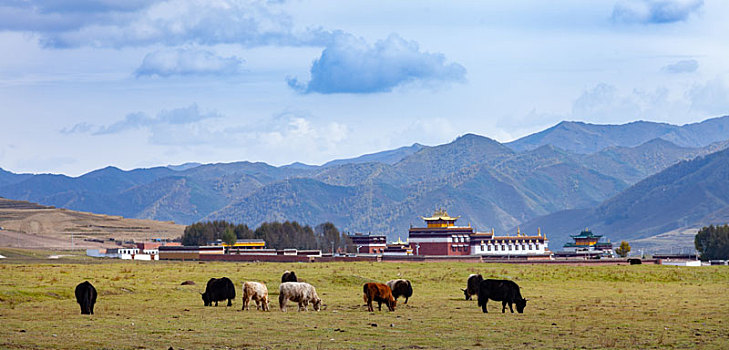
x=143, y=305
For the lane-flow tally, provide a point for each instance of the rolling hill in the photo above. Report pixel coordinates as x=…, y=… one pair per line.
x=30, y=225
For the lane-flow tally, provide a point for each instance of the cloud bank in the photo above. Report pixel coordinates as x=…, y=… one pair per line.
x=655, y=11
x=172, y=23
x=347, y=64
x=350, y=65
x=711, y=97
x=140, y=120
x=276, y=137
x=605, y=102
x=165, y=63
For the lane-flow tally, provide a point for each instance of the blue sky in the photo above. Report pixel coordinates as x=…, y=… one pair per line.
x=85, y=84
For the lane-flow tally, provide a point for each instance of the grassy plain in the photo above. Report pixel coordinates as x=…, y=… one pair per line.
x=142, y=305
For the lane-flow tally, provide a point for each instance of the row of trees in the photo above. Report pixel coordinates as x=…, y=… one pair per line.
x=713, y=242
x=289, y=234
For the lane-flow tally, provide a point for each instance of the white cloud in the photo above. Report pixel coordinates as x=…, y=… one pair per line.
x=350, y=65
x=139, y=120
x=165, y=63
x=655, y=11
x=683, y=66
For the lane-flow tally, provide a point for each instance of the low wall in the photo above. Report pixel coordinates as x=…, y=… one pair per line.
x=415, y=258
x=284, y=258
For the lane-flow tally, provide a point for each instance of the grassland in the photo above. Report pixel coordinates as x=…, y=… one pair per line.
x=143, y=305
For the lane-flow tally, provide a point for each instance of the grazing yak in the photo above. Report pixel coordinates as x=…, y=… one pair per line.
x=256, y=291
x=472, y=285
x=634, y=261
x=288, y=276
x=86, y=297
x=380, y=293
x=298, y=292
x=505, y=291
x=400, y=288
x=219, y=289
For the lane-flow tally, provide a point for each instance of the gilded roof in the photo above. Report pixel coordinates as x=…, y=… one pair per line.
x=440, y=214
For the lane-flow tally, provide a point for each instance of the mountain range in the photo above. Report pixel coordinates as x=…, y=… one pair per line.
x=561, y=179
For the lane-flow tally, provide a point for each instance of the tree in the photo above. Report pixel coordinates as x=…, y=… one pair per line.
x=202, y=233
x=347, y=244
x=713, y=242
x=289, y=234
x=328, y=237
x=229, y=237
x=623, y=250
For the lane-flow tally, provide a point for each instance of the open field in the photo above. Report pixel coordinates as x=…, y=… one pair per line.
x=143, y=305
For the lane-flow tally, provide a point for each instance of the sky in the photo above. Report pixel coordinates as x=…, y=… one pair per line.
x=86, y=84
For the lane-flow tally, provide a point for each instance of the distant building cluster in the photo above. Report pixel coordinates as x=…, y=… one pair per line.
x=441, y=237
x=136, y=251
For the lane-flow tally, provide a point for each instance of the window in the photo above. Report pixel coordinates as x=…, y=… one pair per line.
x=489, y=247
x=517, y=247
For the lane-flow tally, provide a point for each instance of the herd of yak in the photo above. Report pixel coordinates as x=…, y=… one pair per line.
x=221, y=289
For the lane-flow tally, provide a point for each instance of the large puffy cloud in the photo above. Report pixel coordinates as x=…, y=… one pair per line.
x=165, y=63
x=683, y=66
x=350, y=65
x=655, y=11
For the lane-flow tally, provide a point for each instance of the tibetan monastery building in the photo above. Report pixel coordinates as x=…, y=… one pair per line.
x=519, y=245
x=588, y=243
x=441, y=236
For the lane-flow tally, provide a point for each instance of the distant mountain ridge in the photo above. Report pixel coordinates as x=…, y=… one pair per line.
x=585, y=138
x=387, y=157
x=691, y=193
x=489, y=184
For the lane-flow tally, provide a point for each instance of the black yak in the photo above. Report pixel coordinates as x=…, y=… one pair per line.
x=289, y=276
x=86, y=297
x=505, y=291
x=219, y=289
